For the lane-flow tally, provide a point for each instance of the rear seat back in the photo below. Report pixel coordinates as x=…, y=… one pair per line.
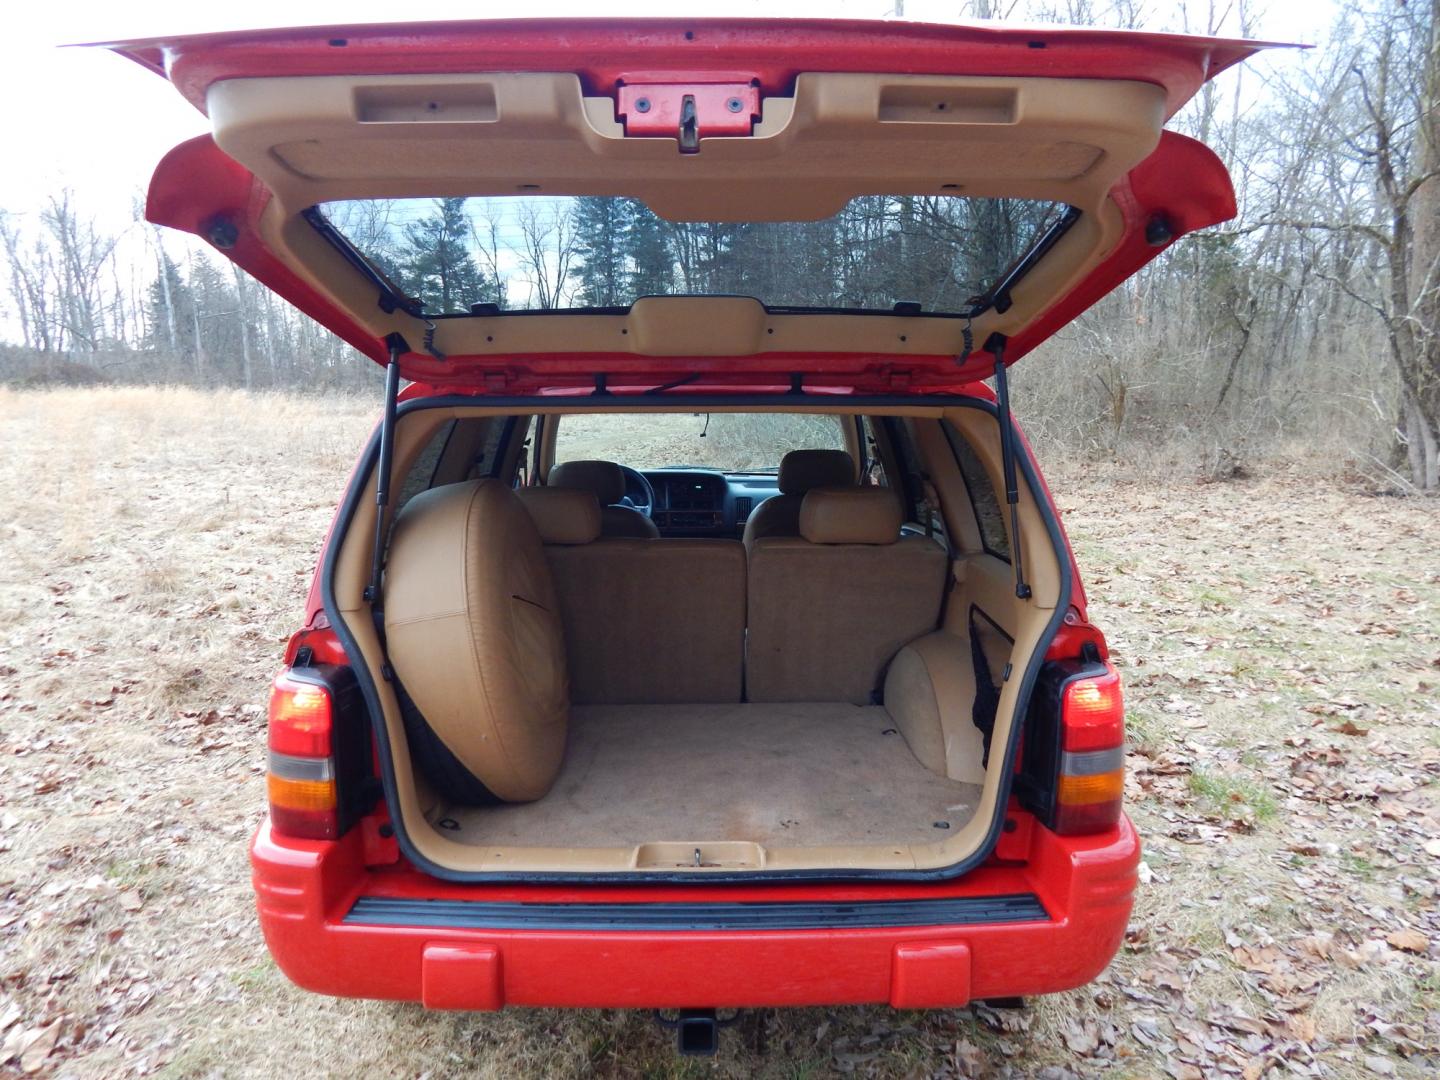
x=800, y=471
x=830, y=608
x=645, y=621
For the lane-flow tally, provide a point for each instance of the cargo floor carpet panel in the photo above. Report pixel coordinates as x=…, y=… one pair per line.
x=792, y=774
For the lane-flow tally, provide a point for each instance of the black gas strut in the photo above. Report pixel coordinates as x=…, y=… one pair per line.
x=995, y=344
x=397, y=345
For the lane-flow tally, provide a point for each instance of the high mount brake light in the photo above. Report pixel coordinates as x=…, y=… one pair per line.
x=301, y=779
x=1092, y=761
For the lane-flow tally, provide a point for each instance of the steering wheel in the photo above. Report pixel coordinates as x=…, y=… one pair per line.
x=635, y=482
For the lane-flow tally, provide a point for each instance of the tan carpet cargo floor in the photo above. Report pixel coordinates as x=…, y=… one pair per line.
x=786, y=775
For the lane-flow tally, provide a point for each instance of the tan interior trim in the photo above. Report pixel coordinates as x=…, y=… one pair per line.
x=958, y=514
x=549, y=432
x=315, y=139
x=929, y=690
x=984, y=582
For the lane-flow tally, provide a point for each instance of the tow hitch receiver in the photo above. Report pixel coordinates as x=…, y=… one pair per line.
x=697, y=1031
x=688, y=111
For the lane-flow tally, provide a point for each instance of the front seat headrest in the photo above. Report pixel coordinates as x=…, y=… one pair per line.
x=562, y=515
x=851, y=515
x=801, y=470
x=604, y=479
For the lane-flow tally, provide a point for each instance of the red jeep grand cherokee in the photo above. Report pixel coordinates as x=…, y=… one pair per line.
x=696, y=631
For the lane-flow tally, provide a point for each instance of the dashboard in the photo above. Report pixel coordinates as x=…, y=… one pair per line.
x=706, y=503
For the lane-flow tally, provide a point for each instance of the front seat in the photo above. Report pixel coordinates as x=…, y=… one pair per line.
x=606, y=481
x=800, y=470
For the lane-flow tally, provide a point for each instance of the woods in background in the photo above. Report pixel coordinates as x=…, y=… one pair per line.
x=1310, y=323
x=547, y=252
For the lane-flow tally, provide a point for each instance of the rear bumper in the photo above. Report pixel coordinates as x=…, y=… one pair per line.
x=337, y=928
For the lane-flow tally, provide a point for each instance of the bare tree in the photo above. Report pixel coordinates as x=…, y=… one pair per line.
x=82, y=252
x=547, y=246
x=1382, y=117
x=31, y=284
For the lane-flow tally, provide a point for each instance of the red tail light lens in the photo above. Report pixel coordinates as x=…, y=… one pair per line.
x=300, y=717
x=1092, y=761
x=301, y=780
x=1093, y=712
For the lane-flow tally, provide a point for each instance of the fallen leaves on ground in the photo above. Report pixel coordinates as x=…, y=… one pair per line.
x=1279, y=639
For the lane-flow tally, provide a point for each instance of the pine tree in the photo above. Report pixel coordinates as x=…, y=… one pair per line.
x=600, y=227
x=170, y=312
x=434, y=261
x=647, y=250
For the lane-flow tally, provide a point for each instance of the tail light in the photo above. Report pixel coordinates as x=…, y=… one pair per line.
x=1072, y=767
x=1091, y=776
x=301, y=779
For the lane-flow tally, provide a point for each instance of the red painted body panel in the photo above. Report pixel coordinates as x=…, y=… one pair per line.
x=304, y=889
x=605, y=52
x=649, y=106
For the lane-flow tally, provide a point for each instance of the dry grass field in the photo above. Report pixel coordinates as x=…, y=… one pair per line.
x=1280, y=637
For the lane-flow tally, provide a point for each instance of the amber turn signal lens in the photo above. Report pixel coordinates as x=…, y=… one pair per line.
x=1085, y=790
x=300, y=794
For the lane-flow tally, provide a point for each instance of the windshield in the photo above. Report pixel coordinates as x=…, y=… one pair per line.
x=729, y=442
x=551, y=252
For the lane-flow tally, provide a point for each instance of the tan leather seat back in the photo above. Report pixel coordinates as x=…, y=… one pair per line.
x=830, y=608
x=645, y=620
x=474, y=634
x=652, y=620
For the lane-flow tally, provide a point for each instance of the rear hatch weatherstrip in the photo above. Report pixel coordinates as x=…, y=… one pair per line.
x=845, y=915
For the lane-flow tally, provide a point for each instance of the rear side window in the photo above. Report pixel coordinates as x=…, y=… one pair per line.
x=421, y=476
x=988, y=513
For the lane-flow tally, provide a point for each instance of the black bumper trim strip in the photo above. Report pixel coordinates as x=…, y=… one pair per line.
x=852, y=915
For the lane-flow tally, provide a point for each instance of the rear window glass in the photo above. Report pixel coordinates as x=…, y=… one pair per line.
x=729, y=442
x=988, y=512
x=556, y=253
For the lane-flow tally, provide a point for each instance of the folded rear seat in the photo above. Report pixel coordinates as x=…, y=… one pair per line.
x=478, y=651
x=645, y=621
x=830, y=608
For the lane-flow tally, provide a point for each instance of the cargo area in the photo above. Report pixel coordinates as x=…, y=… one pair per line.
x=796, y=773
x=819, y=682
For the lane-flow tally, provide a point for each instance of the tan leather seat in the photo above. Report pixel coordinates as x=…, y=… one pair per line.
x=830, y=608
x=606, y=481
x=473, y=631
x=645, y=620
x=800, y=472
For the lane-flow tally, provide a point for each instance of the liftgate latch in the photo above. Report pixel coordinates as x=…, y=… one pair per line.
x=688, y=111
